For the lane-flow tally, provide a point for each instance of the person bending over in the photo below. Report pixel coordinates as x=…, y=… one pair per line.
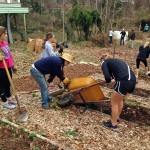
x=118, y=70
x=52, y=65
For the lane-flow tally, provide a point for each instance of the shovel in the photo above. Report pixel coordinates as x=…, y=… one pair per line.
x=23, y=115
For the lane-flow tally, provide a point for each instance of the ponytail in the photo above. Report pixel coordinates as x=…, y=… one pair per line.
x=48, y=35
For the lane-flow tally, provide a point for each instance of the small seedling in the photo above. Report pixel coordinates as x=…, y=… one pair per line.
x=71, y=133
x=9, y=119
x=32, y=136
x=34, y=95
x=42, y=134
x=36, y=148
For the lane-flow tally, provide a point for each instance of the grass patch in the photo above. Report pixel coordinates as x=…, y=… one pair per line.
x=132, y=101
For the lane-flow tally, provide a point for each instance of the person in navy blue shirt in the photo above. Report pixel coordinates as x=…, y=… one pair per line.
x=52, y=65
x=118, y=70
x=144, y=51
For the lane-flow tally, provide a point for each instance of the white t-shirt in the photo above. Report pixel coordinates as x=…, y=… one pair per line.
x=111, y=33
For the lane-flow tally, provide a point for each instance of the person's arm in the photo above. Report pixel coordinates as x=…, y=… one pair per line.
x=140, y=48
x=106, y=72
x=51, y=78
x=50, y=50
x=59, y=73
x=148, y=53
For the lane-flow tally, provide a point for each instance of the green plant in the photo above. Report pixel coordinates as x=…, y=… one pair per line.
x=132, y=101
x=32, y=136
x=9, y=119
x=82, y=21
x=36, y=148
x=34, y=95
x=42, y=134
x=71, y=133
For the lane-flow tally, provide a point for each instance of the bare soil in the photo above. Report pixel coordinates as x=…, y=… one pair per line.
x=14, y=139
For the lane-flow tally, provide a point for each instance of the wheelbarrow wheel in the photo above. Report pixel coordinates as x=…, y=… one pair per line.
x=65, y=100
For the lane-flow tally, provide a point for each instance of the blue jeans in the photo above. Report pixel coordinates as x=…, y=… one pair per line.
x=122, y=40
x=40, y=79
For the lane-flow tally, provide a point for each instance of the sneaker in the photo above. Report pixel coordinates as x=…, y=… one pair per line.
x=9, y=106
x=13, y=101
x=109, y=125
x=45, y=107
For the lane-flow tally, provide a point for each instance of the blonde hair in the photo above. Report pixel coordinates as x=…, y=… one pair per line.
x=2, y=30
x=105, y=56
x=146, y=44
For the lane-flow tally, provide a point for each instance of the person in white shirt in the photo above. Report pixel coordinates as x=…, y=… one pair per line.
x=111, y=33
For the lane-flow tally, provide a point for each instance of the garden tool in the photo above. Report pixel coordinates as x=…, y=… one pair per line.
x=23, y=115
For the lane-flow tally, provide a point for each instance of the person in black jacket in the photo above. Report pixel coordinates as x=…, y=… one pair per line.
x=52, y=65
x=123, y=34
x=142, y=56
x=118, y=70
x=132, y=38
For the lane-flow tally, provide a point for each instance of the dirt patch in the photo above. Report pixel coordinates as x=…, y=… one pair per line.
x=133, y=113
x=18, y=139
x=28, y=84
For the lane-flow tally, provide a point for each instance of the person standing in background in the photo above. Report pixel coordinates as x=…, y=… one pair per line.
x=142, y=57
x=146, y=28
x=132, y=38
x=123, y=34
x=111, y=34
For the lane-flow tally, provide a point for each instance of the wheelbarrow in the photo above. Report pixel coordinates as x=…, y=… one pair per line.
x=83, y=91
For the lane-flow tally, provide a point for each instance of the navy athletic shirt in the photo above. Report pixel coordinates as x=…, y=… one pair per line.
x=143, y=52
x=116, y=69
x=50, y=65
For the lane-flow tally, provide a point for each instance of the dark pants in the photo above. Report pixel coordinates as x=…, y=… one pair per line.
x=138, y=60
x=122, y=40
x=4, y=84
x=110, y=41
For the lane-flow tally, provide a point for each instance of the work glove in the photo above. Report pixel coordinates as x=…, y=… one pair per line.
x=66, y=81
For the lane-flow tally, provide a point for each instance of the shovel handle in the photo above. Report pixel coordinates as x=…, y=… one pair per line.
x=11, y=83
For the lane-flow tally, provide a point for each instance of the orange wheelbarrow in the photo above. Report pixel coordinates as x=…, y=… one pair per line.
x=82, y=90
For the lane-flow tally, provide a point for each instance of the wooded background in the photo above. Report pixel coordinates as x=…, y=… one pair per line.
x=81, y=19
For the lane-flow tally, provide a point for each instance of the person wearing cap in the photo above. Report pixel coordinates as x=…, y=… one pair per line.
x=118, y=70
x=123, y=34
x=52, y=65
